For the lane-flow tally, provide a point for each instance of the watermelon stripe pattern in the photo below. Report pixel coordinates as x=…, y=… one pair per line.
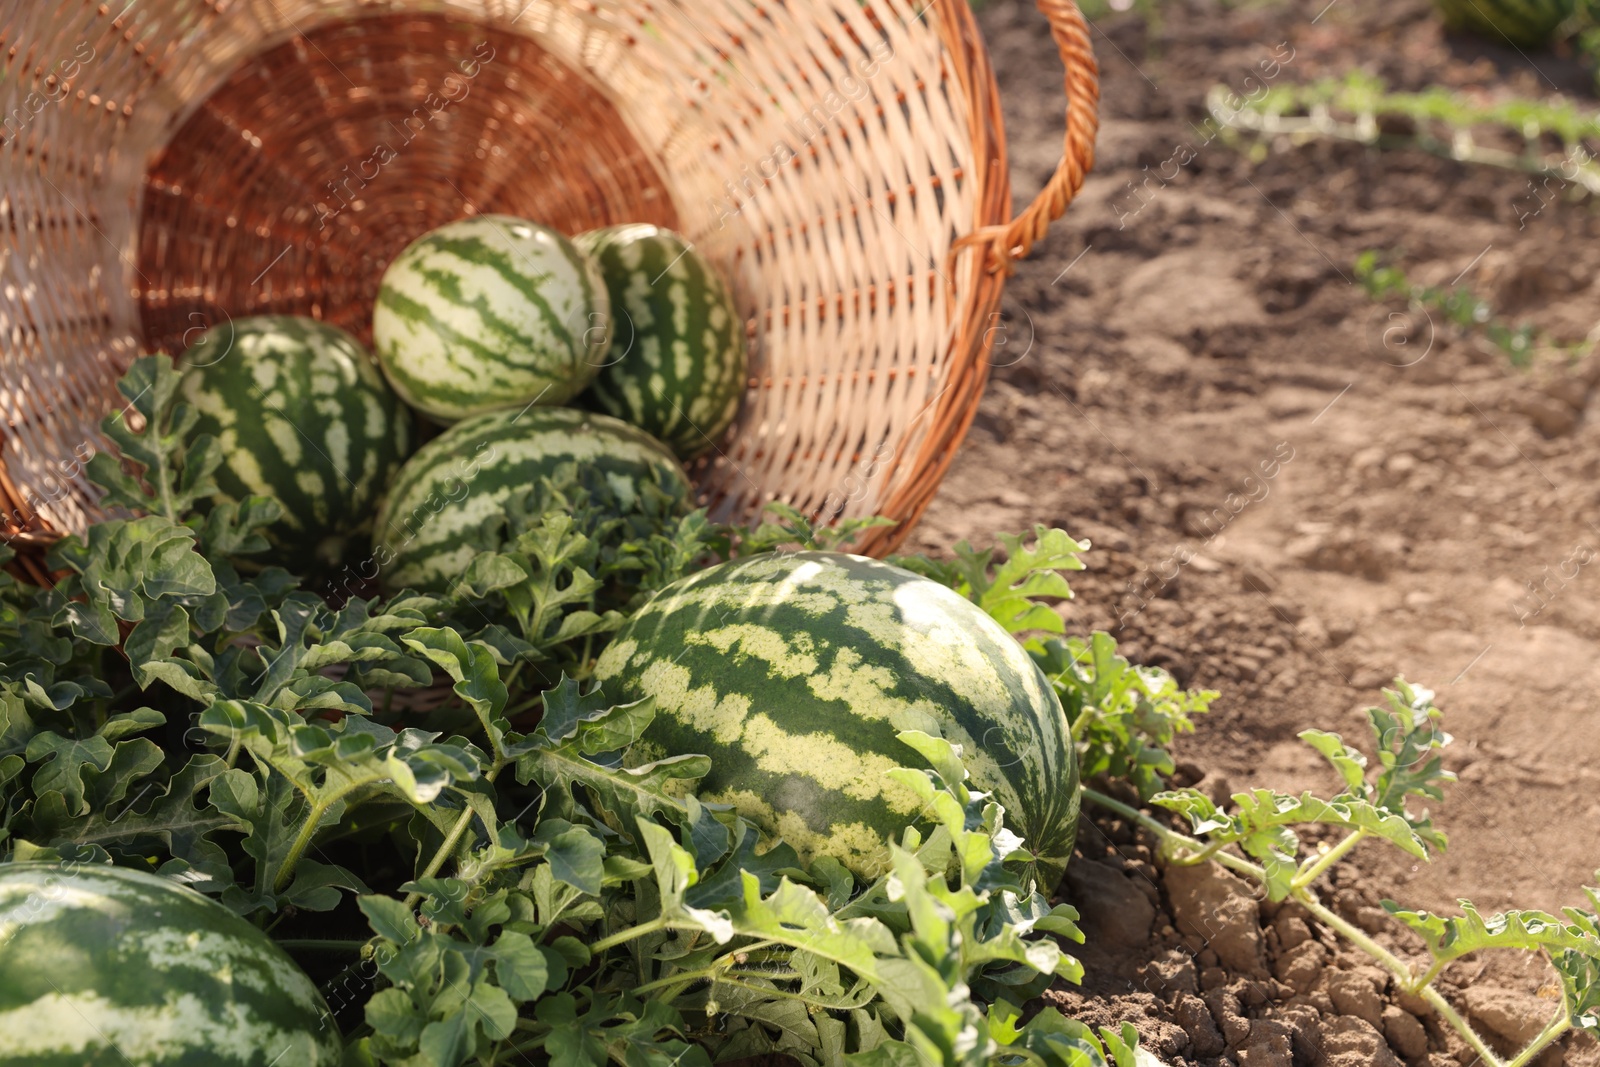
x=101, y=965
x=302, y=415
x=433, y=521
x=490, y=312
x=795, y=673
x=677, y=365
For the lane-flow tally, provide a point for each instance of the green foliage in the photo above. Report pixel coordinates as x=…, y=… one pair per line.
x=161, y=469
x=1463, y=310
x=1571, y=942
x=1124, y=717
x=789, y=529
x=1524, y=23
x=1010, y=590
x=682, y=921
x=1449, y=939
x=1407, y=736
x=175, y=706
x=1551, y=135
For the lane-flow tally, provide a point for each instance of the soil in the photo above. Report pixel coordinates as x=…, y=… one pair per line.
x=1296, y=493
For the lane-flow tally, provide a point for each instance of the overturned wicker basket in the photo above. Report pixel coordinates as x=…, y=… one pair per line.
x=170, y=164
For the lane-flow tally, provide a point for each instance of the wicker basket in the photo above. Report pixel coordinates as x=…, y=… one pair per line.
x=169, y=164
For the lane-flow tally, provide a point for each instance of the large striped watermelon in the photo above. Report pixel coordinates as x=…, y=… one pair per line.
x=796, y=672
x=1525, y=23
x=452, y=499
x=490, y=312
x=303, y=415
x=676, y=368
x=103, y=966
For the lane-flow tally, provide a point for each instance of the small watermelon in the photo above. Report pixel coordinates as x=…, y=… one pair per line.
x=796, y=672
x=303, y=415
x=676, y=368
x=490, y=312
x=103, y=966
x=455, y=496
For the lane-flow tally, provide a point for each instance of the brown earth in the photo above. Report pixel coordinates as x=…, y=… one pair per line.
x=1295, y=493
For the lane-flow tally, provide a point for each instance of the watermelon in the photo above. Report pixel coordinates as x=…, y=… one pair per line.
x=452, y=499
x=490, y=312
x=101, y=965
x=676, y=368
x=796, y=672
x=1524, y=23
x=303, y=415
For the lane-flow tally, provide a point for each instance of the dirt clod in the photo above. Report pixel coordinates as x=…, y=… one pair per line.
x=1110, y=904
x=1269, y=1045
x=1552, y=417
x=1300, y=967
x=1305, y=1028
x=1173, y=972
x=1405, y=1035
x=1512, y=1015
x=1351, y=1042
x=1352, y=993
x=1212, y=904
x=1191, y=1013
x=1291, y=929
x=1228, y=1014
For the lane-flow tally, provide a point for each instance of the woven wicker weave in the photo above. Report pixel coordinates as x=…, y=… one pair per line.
x=168, y=164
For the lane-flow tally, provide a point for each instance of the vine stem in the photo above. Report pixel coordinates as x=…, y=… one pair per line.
x=1308, y=899
x=1197, y=852
x=1552, y=1030
x=1306, y=877
x=452, y=839
x=715, y=974
x=630, y=934
x=730, y=979
x=1436, y=1001
x=313, y=944
x=302, y=841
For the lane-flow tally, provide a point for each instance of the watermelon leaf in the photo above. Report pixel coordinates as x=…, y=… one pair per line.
x=1124, y=717
x=1012, y=591
x=619, y=796
x=1571, y=941
x=175, y=820
x=476, y=676
x=308, y=776
x=72, y=768
x=160, y=468
x=575, y=855
x=1580, y=987
x=1576, y=930
x=565, y=706
x=791, y=531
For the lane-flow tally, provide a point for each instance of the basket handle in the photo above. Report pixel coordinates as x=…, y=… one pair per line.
x=1016, y=239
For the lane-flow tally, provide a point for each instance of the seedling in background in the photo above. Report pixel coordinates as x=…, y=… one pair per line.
x=1466, y=311
x=1359, y=107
